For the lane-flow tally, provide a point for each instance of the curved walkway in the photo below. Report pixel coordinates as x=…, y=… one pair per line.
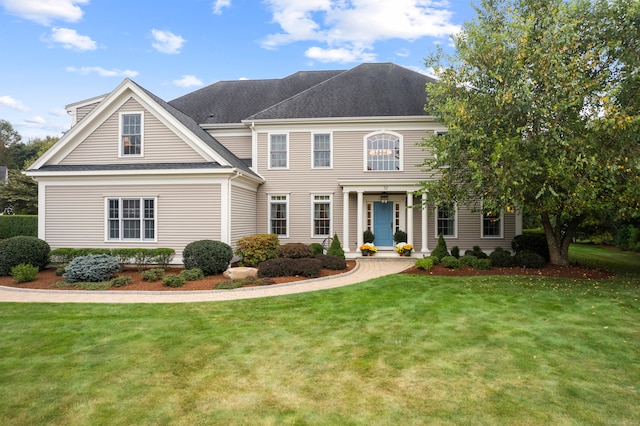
x=365, y=269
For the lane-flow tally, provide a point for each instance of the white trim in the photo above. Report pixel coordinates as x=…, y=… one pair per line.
x=455, y=223
x=269, y=135
x=120, y=239
x=313, y=141
x=313, y=219
x=121, y=153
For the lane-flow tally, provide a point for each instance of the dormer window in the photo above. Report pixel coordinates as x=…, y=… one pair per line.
x=131, y=135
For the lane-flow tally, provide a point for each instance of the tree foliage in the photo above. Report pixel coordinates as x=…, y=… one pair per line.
x=541, y=101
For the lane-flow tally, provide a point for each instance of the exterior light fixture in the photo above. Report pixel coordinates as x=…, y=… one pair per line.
x=384, y=198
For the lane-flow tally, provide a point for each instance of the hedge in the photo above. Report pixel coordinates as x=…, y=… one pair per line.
x=18, y=225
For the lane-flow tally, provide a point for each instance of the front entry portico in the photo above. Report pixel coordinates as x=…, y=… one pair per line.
x=381, y=215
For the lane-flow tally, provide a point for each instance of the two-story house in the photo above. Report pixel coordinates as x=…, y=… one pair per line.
x=305, y=157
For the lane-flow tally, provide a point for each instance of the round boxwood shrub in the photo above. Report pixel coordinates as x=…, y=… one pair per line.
x=212, y=257
x=482, y=264
x=450, y=262
x=536, y=243
x=91, y=268
x=501, y=258
x=425, y=263
x=467, y=260
x=529, y=259
x=18, y=250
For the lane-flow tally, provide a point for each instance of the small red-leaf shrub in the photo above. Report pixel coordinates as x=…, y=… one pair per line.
x=294, y=250
x=334, y=263
x=282, y=267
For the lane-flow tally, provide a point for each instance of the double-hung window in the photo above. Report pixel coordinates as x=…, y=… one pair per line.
x=131, y=219
x=278, y=151
x=321, y=150
x=321, y=215
x=131, y=134
x=278, y=215
x=446, y=220
x=491, y=224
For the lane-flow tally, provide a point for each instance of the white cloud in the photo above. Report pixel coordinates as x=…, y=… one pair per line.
x=188, y=81
x=339, y=55
x=167, y=42
x=70, y=39
x=45, y=11
x=102, y=72
x=36, y=121
x=9, y=102
x=403, y=53
x=58, y=112
x=219, y=4
x=353, y=27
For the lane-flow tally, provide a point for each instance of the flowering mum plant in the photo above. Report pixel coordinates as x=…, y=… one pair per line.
x=404, y=247
x=368, y=247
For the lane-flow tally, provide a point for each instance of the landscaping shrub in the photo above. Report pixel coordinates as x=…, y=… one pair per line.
x=634, y=239
x=121, y=281
x=212, y=257
x=501, y=258
x=162, y=256
x=536, y=243
x=22, y=249
x=334, y=263
x=124, y=255
x=61, y=255
x=434, y=259
x=529, y=259
x=278, y=267
x=294, y=250
x=450, y=262
x=317, y=248
x=455, y=252
x=425, y=263
x=151, y=275
x=482, y=264
x=622, y=237
x=336, y=249
x=24, y=273
x=307, y=267
x=91, y=268
x=477, y=252
x=173, y=280
x=60, y=270
x=467, y=260
x=441, y=248
x=18, y=225
x=257, y=248
x=194, y=274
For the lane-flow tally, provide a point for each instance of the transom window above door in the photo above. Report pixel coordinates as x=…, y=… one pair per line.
x=383, y=152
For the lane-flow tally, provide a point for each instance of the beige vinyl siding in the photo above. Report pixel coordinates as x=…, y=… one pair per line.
x=239, y=145
x=243, y=218
x=76, y=214
x=160, y=144
x=470, y=231
x=83, y=111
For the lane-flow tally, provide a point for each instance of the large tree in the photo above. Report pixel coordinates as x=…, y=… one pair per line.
x=540, y=115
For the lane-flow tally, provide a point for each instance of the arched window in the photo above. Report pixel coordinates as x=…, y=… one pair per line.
x=383, y=152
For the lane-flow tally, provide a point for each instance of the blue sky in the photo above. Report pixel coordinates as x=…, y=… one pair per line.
x=56, y=52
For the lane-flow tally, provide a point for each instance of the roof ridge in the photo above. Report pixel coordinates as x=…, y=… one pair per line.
x=302, y=92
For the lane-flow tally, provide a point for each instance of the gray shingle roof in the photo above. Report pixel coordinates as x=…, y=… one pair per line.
x=233, y=101
x=368, y=90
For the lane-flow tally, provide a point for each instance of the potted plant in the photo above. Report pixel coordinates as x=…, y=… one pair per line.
x=404, y=249
x=368, y=249
x=368, y=237
x=400, y=236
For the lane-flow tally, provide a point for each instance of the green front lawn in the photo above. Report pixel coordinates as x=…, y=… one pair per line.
x=607, y=258
x=396, y=350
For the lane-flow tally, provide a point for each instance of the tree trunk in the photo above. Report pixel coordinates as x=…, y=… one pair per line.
x=559, y=236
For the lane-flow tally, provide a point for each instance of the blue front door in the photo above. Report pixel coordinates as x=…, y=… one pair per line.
x=383, y=223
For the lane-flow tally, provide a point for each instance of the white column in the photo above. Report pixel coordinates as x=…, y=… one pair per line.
x=360, y=227
x=409, y=218
x=345, y=221
x=425, y=244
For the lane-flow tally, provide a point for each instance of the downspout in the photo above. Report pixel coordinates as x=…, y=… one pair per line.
x=227, y=232
x=254, y=147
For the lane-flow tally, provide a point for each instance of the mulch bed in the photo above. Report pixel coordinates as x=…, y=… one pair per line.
x=47, y=278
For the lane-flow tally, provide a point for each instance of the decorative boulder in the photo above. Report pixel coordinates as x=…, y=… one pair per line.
x=240, y=273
